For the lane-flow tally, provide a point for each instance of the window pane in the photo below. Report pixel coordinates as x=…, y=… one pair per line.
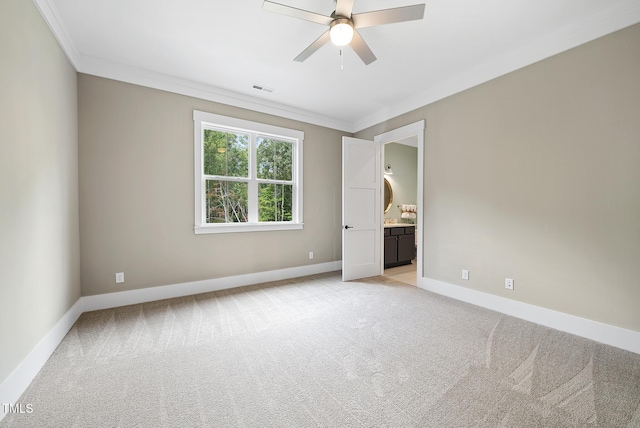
x=226, y=202
x=275, y=159
x=274, y=202
x=225, y=153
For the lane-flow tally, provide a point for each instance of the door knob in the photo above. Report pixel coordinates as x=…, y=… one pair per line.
x=348, y=227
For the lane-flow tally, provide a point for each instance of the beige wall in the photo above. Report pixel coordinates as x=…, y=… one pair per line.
x=536, y=176
x=39, y=244
x=137, y=196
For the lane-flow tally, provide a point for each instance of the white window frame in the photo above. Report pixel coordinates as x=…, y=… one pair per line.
x=203, y=120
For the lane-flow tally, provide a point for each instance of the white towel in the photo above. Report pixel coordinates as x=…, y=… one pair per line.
x=408, y=211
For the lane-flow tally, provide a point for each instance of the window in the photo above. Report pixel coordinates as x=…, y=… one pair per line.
x=248, y=176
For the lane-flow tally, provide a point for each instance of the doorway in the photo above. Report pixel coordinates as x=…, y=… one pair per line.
x=408, y=136
x=400, y=209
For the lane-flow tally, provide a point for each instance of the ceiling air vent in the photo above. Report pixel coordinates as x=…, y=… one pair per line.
x=262, y=88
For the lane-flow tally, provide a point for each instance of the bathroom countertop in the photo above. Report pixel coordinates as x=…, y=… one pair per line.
x=400, y=225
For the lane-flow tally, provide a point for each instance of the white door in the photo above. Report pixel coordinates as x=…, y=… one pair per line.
x=361, y=209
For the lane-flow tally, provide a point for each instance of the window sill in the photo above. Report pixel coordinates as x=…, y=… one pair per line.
x=246, y=227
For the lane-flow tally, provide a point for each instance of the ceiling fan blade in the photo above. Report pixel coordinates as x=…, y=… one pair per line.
x=344, y=8
x=296, y=13
x=320, y=41
x=361, y=48
x=388, y=16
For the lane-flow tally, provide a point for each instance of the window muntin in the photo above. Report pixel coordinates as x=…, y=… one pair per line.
x=248, y=175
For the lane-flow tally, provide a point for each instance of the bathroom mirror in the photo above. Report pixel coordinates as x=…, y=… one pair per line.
x=388, y=195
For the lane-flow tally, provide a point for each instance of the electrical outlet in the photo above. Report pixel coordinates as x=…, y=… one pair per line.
x=508, y=283
x=465, y=274
x=119, y=277
x=310, y=255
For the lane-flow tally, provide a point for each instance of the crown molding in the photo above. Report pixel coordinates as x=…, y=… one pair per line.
x=615, y=18
x=50, y=13
x=150, y=79
x=97, y=67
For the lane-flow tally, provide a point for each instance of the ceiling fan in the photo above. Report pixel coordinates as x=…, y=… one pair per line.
x=343, y=25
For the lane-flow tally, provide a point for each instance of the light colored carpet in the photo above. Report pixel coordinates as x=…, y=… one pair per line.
x=319, y=352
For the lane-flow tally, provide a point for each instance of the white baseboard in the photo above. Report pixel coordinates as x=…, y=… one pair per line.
x=15, y=385
x=628, y=340
x=142, y=295
x=18, y=381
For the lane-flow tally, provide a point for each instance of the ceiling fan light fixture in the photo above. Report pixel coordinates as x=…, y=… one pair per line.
x=343, y=25
x=341, y=31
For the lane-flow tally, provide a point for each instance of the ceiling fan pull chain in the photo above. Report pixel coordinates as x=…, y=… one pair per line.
x=341, y=60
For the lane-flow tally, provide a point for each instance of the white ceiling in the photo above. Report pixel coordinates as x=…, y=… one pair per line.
x=217, y=50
